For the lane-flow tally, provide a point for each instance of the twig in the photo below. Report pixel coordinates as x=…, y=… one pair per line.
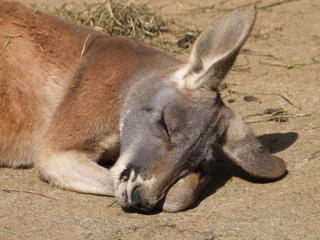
x=133, y=27
x=247, y=51
x=109, y=8
x=85, y=45
x=283, y=95
x=11, y=36
x=28, y=192
x=8, y=37
x=222, y=236
x=306, y=160
x=314, y=60
x=111, y=204
x=276, y=4
x=277, y=118
x=285, y=65
x=298, y=115
x=290, y=100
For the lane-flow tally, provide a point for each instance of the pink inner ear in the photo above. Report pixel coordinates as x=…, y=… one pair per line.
x=218, y=43
x=226, y=34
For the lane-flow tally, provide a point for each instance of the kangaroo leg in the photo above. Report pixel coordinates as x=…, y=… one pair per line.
x=74, y=170
x=242, y=146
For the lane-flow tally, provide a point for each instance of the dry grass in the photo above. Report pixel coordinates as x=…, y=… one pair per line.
x=118, y=18
x=121, y=17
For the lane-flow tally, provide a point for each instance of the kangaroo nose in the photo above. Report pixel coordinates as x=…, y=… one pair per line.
x=138, y=204
x=136, y=198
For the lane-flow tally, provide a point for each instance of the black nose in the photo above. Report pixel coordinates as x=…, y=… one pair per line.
x=137, y=202
x=136, y=198
x=138, y=205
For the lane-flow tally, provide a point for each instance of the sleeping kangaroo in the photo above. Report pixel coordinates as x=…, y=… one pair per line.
x=71, y=97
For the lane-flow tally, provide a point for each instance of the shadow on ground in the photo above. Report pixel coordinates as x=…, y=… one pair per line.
x=224, y=169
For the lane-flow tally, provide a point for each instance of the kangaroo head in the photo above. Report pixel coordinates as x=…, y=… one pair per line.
x=170, y=122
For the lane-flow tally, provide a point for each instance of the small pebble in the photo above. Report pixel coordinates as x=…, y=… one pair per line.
x=250, y=98
x=223, y=86
x=231, y=100
x=281, y=119
x=186, y=40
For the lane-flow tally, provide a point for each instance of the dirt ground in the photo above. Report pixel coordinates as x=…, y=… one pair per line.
x=280, y=67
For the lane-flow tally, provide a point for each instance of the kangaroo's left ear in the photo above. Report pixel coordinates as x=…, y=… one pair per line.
x=243, y=148
x=216, y=48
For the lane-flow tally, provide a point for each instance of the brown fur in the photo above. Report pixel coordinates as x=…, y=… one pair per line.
x=50, y=93
x=67, y=92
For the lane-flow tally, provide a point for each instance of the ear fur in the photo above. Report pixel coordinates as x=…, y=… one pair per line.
x=217, y=47
x=244, y=149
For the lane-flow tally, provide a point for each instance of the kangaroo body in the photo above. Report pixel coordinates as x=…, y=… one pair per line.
x=43, y=75
x=68, y=94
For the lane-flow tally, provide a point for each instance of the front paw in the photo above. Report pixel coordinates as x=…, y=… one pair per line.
x=186, y=192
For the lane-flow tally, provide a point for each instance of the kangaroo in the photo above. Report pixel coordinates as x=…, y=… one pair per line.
x=71, y=97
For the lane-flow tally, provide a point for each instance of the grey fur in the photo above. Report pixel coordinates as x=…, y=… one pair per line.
x=174, y=119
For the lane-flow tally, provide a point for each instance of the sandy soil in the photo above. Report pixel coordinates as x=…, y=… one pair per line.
x=281, y=68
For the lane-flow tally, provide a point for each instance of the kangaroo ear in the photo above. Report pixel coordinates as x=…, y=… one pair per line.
x=242, y=146
x=216, y=48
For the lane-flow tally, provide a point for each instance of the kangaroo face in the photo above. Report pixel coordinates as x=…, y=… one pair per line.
x=165, y=135
x=170, y=123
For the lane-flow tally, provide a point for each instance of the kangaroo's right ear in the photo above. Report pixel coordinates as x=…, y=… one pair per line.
x=244, y=149
x=216, y=48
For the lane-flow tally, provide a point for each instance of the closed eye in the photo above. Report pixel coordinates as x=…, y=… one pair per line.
x=163, y=124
